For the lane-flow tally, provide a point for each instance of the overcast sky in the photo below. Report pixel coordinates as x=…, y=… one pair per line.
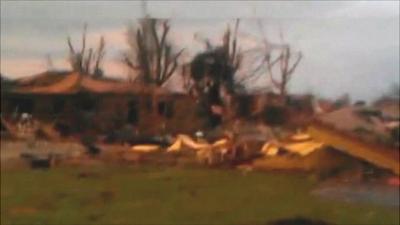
x=348, y=47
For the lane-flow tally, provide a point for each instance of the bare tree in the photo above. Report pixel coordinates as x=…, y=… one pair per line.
x=212, y=74
x=288, y=61
x=76, y=57
x=278, y=61
x=231, y=47
x=82, y=61
x=99, y=56
x=151, y=55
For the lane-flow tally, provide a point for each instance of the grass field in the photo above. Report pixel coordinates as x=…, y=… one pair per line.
x=151, y=195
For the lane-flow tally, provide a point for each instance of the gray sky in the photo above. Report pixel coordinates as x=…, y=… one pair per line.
x=348, y=47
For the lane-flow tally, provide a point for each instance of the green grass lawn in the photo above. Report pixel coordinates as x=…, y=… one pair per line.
x=150, y=195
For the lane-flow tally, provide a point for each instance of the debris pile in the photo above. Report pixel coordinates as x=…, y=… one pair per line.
x=301, y=144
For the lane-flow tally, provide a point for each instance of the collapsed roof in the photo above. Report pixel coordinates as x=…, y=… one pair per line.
x=351, y=118
x=73, y=82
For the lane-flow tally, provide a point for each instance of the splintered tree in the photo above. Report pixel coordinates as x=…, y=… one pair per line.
x=151, y=55
x=87, y=62
x=212, y=74
x=232, y=53
x=215, y=67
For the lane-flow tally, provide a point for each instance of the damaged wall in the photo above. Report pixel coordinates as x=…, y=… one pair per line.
x=149, y=114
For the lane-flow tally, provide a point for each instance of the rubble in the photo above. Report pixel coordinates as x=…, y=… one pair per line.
x=209, y=153
x=303, y=148
x=183, y=140
x=145, y=148
x=300, y=144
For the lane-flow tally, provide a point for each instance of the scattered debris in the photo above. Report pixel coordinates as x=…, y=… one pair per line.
x=183, y=140
x=300, y=144
x=145, y=148
x=270, y=149
x=93, y=150
x=89, y=142
x=209, y=153
x=303, y=148
x=40, y=161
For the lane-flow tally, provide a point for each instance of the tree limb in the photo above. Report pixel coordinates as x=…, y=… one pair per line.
x=269, y=67
x=100, y=53
x=234, y=44
x=162, y=48
x=174, y=66
x=71, y=47
x=88, y=61
x=291, y=70
x=84, y=39
x=129, y=63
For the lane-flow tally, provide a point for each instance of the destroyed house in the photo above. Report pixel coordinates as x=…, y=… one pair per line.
x=71, y=99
